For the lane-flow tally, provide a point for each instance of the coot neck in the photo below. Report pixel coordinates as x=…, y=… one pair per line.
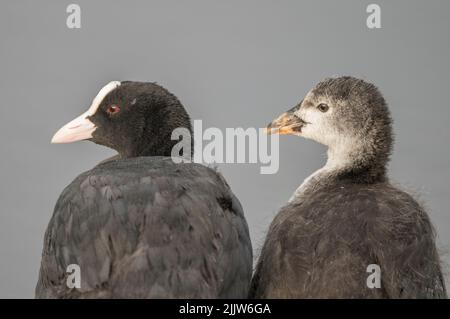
x=153, y=143
x=362, y=162
x=347, y=163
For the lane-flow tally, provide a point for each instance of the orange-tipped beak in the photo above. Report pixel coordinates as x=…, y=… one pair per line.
x=287, y=123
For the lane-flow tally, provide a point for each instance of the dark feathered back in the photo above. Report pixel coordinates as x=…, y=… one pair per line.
x=147, y=228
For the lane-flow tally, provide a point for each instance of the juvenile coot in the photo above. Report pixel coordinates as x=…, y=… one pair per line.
x=347, y=215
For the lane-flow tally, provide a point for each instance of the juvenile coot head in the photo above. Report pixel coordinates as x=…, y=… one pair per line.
x=134, y=118
x=348, y=115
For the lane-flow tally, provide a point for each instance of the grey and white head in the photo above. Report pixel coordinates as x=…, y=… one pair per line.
x=349, y=116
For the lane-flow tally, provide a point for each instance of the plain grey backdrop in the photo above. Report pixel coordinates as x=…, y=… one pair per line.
x=232, y=64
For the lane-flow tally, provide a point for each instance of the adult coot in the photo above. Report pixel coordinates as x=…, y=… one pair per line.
x=138, y=225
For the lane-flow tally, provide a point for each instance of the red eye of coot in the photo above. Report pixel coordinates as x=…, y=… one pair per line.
x=113, y=109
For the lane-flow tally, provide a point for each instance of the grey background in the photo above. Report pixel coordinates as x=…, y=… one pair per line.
x=232, y=64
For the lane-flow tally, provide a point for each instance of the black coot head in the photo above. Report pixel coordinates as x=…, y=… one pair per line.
x=134, y=118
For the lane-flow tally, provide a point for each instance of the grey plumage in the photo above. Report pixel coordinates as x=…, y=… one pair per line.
x=347, y=215
x=147, y=228
x=320, y=247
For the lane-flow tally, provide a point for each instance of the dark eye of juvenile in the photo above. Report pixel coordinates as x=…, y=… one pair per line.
x=113, y=109
x=323, y=107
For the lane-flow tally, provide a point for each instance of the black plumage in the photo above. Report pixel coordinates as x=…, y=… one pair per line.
x=143, y=226
x=347, y=215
